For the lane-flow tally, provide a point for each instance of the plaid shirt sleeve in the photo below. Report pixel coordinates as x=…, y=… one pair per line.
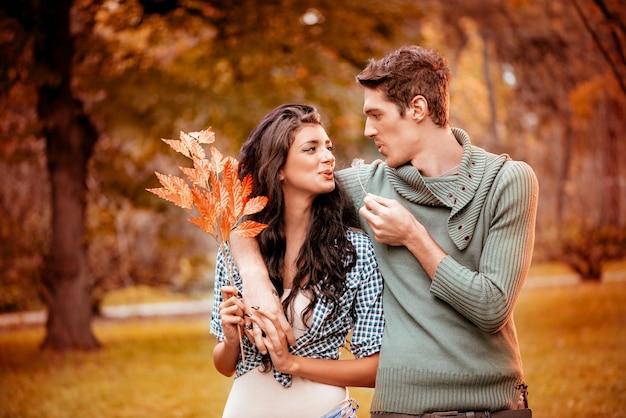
x=221, y=278
x=368, y=317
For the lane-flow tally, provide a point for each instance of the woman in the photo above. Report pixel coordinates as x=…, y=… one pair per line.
x=324, y=271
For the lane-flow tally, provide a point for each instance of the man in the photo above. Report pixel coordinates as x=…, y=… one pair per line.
x=454, y=231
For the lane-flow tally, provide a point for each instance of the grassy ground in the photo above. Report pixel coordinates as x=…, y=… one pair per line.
x=573, y=340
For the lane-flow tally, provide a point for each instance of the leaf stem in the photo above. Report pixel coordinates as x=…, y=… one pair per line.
x=229, y=268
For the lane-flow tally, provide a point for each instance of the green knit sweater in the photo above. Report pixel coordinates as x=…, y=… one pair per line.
x=450, y=343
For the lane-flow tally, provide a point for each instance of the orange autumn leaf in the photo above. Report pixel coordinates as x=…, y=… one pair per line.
x=174, y=190
x=246, y=186
x=226, y=223
x=205, y=224
x=206, y=136
x=233, y=184
x=206, y=204
x=217, y=159
x=249, y=229
x=192, y=144
x=177, y=146
x=254, y=205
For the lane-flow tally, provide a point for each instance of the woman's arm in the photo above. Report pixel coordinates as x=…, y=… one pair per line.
x=354, y=372
x=226, y=352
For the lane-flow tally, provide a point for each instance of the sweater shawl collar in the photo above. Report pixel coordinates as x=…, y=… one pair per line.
x=464, y=195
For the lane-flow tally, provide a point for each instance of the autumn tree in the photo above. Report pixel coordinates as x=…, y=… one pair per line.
x=89, y=87
x=565, y=66
x=69, y=139
x=108, y=74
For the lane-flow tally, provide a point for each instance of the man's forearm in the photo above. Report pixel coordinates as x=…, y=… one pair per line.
x=425, y=249
x=258, y=291
x=250, y=264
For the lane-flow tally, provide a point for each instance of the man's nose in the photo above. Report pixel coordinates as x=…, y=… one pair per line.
x=369, y=131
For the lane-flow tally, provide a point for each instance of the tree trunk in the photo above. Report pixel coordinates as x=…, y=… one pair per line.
x=611, y=193
x=70, y=138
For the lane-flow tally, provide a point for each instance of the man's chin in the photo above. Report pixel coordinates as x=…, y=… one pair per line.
x=391, y=163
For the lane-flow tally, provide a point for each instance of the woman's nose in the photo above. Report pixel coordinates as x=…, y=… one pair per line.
x=328, y=156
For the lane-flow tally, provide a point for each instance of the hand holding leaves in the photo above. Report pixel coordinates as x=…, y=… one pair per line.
x=213, y=188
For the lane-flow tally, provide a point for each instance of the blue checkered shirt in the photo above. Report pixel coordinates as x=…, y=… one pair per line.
x=361, y=310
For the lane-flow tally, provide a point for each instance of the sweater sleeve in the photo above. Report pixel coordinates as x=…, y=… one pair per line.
x=487, y=297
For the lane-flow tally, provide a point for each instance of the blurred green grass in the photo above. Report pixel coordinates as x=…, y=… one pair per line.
x=573, y=341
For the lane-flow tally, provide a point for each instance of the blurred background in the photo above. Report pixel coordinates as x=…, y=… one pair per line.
x=89, y=87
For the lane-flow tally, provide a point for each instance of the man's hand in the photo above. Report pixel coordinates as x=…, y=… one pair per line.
x=390, y=222
x=393, y=224
x=275, y=340
x=257, y=298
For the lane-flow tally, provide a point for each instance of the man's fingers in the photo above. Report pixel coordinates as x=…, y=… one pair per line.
x=374, y=202
x=279, y=320
x=275, y=326
x=287, y=330
x=273, y=335
x=259, y=341
x=284, y=324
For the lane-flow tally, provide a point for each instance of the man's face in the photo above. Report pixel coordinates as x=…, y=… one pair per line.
x=393, y=134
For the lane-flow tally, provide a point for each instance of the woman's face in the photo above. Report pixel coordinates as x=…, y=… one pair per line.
x=310, y=163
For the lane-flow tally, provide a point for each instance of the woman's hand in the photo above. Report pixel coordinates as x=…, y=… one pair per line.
x=231, y=314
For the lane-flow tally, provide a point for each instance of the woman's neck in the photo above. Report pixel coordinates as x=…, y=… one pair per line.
x=295, y=224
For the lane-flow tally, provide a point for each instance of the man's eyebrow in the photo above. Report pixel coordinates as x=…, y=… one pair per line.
x=370, y=110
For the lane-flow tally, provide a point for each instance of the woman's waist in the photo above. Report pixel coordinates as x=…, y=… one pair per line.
x=258, y=394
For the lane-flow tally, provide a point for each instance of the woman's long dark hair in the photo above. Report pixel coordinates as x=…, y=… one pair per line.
x=326, y=255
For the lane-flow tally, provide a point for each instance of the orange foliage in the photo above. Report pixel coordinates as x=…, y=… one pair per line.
x=221, y=199
x=213, y=188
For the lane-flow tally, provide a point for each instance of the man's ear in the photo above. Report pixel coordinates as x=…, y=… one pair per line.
x=418, y=108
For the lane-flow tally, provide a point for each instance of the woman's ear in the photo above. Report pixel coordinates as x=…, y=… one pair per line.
x=281, y=174
x=419, y=108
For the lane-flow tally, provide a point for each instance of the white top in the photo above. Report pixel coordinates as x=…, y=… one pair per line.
x=258, y=395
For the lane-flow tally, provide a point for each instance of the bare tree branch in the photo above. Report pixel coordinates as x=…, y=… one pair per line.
x=598, y=41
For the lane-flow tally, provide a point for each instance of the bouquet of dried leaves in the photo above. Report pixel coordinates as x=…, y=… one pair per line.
x=213, y=190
